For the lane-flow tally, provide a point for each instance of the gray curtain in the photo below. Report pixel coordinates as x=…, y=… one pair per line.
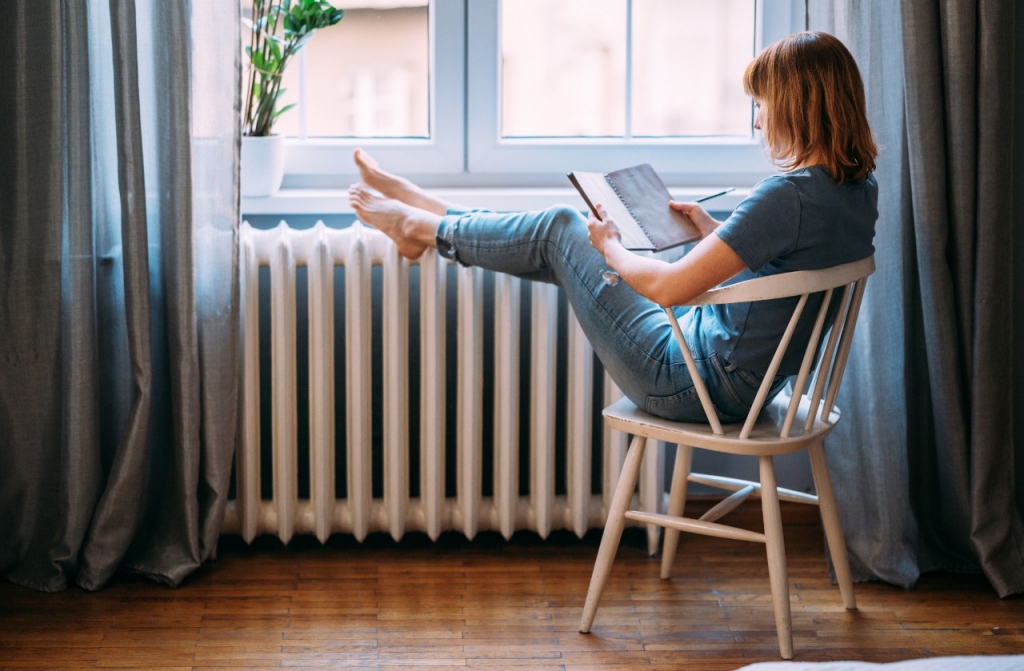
x=926, y=462
x=118, y=287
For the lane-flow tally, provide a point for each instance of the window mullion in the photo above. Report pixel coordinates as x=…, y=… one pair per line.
x=628, y=117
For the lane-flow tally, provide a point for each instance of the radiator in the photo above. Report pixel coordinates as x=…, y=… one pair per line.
x=357, y=249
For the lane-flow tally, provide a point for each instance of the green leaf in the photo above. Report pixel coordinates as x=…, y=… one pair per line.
x=282, y=110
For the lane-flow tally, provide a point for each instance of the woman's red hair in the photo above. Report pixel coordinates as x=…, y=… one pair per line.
x=814, y=105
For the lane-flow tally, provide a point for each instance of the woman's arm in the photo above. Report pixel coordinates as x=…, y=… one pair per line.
x=707, y=265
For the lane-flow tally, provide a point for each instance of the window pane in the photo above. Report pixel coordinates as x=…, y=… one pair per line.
x=563, y=68
x=688, y=63
x=368, y=75
x=365, y=77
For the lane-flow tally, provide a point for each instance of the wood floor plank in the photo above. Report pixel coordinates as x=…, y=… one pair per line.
x=494, y=604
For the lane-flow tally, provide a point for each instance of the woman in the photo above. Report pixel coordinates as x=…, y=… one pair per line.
x=818, y=213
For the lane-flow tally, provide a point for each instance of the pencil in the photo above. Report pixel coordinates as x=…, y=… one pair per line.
x=715, y=195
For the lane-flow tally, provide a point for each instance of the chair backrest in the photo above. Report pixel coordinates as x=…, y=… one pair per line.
x=849, y=280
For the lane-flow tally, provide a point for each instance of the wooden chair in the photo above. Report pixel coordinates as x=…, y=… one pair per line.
x=789, y=423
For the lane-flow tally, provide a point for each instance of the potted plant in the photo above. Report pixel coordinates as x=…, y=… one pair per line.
x=277, y=31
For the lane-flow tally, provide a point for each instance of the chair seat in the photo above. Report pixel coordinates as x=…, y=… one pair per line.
x=623, y=415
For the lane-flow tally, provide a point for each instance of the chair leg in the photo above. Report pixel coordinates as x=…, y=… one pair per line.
x=613, y=530
x=830, y=520
x=676, y=505
x=650, y=488
x=776, y=557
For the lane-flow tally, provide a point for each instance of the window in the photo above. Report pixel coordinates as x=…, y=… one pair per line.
x=518, y=92
x=366, y=77
x=646, y=68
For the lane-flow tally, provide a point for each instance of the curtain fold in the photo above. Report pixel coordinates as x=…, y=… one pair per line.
x=31, y=246
x=933, y=485
x=118, y=287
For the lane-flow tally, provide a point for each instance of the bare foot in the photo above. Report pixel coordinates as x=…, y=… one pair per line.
x=392, y=217
x=397, y=187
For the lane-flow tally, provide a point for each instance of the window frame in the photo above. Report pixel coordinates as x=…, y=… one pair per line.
x=466, y=150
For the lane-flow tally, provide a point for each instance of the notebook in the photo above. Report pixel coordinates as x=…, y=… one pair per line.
x=637, y=200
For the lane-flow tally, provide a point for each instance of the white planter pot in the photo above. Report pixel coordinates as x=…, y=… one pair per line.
x=262, y=165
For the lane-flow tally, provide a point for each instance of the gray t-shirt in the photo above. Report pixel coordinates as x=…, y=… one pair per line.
x=801, y=220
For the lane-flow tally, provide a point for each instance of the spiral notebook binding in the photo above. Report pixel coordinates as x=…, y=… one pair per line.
x=629, y=209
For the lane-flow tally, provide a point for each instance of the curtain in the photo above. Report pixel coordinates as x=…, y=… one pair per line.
x=925, y=462
x=118, y=287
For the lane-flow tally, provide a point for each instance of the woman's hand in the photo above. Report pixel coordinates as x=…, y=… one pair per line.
x=704, y=222
x=602, y=231
x=709, y=263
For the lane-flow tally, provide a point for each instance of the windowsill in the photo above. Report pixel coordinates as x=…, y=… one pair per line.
x=335, y=201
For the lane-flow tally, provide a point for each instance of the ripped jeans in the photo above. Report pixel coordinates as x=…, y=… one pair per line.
x=631, y=335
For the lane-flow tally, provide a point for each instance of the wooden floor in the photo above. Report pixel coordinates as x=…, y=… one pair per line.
x=380, y=605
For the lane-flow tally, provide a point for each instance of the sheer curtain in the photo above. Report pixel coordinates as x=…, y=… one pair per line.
x=118, y=288
x=924, y=462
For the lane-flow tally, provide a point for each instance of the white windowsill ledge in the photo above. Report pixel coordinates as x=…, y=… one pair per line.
x=335, y=201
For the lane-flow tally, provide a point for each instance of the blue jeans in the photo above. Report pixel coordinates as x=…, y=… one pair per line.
x=631, y=335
